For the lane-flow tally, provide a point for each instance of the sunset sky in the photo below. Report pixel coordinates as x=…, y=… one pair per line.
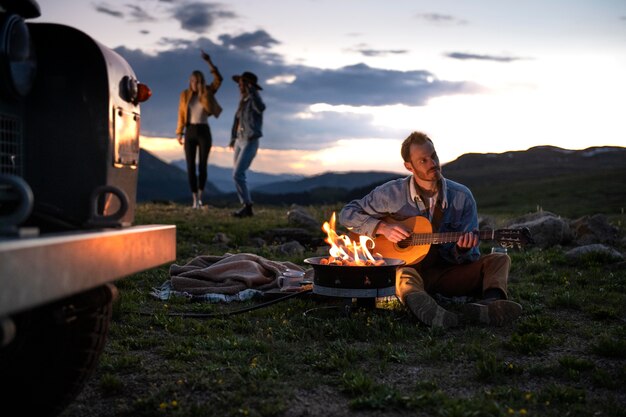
x=345, y=81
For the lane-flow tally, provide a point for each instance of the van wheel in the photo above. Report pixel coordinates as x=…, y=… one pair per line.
x=55, y=350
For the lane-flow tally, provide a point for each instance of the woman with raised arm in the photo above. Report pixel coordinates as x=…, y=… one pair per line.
x=197, y=104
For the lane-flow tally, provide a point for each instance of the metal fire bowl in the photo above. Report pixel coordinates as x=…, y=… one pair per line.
x=354, y=281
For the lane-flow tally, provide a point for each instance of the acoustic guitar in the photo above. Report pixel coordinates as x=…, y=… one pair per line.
x=415, y=247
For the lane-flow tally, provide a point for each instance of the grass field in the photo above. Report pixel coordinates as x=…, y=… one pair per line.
x=566, y=355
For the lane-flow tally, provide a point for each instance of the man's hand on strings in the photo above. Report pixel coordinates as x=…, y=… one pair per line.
x=393, y=232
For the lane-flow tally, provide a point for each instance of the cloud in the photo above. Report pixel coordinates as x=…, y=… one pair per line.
x=289, y=92
x=249, y=40
x=139, y=15
x=467, y=56
x=370, y=52
x=103, y=8
x=174, y=43
x=362, y=85
x=441, y=19
x=199, y=17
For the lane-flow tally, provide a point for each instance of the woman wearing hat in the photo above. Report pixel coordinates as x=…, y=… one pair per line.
x=196, y=104
x=246, y=131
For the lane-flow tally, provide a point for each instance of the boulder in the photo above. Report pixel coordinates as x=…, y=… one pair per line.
x=286, y=234
x=291, y=248
x=298, y=216
x=588, y=230
x=611, y=254
x=221, y=237
x=546, y=229
x=486, y=222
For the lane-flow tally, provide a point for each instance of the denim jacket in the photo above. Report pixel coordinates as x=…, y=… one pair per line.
x=396, y=200
x=248, y=123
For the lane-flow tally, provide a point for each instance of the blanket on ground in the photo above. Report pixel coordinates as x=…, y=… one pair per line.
x=228, y=274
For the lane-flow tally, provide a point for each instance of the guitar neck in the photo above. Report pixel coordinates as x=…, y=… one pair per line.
x=446, y=237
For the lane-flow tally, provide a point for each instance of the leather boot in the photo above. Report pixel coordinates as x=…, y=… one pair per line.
x=426, y=309
x=245, y=211
x=495, y=313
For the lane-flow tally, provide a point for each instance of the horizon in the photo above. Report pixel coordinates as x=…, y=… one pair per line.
x=374, y=169
x=482, y=77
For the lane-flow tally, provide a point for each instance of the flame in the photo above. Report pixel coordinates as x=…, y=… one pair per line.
x=348, y=251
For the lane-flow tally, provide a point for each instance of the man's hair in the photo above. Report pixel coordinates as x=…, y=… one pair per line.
x=418, y=138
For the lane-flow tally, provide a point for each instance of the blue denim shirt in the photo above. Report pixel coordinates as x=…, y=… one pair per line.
x=394, y=199
x=248, y=123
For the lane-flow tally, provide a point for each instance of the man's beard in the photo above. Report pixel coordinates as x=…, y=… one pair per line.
x=431, y=175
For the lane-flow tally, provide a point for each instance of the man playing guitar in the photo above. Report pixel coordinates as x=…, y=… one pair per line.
x=455, y=268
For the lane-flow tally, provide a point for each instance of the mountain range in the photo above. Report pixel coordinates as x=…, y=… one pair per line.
x=222, y=178
x=530, y=177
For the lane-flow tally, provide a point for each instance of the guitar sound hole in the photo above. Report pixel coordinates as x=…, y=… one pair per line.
x=403, y=244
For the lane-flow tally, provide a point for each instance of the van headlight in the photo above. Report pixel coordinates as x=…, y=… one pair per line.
x=17, y=58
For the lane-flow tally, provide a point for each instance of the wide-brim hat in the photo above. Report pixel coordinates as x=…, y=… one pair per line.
x=250, y=77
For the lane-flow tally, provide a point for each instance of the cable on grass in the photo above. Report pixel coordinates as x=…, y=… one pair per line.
x=228, y=313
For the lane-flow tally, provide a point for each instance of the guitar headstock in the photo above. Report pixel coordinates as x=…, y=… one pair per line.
x=509, y=238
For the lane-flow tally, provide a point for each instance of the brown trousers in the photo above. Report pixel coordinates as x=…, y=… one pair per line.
x=472, y=279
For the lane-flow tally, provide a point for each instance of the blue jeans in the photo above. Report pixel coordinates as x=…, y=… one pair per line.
x=245, y=151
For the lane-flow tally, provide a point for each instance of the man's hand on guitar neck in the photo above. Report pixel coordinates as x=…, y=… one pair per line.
x=467, y=241
x=392, y=232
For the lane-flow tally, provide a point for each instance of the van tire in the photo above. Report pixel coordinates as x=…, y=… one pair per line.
x=55, y=350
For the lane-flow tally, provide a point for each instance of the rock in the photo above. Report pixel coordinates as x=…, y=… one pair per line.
x=221, y=238
x=256, y=242
x=298, y=216
x=534, y=216
x=596, y=248
x=282, y=235
x=594, y=229
x=486, y=222
x=291, y=248
x=546, y=229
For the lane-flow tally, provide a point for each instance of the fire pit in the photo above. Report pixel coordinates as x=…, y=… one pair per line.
x=368, y=281
x=352, y=270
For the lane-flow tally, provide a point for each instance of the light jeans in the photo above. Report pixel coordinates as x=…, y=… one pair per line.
x=245, y=151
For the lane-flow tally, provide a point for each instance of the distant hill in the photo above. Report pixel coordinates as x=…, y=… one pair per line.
x=340, y=180
x=535, y=163
x=158, y=180
x=567, y=182
x=222, y=177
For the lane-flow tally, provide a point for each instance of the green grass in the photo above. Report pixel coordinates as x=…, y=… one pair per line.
x=564, y=356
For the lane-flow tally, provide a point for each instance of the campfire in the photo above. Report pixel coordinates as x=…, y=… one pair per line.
x=347, y=252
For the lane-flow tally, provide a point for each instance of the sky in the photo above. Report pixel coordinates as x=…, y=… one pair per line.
x=345, y=81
